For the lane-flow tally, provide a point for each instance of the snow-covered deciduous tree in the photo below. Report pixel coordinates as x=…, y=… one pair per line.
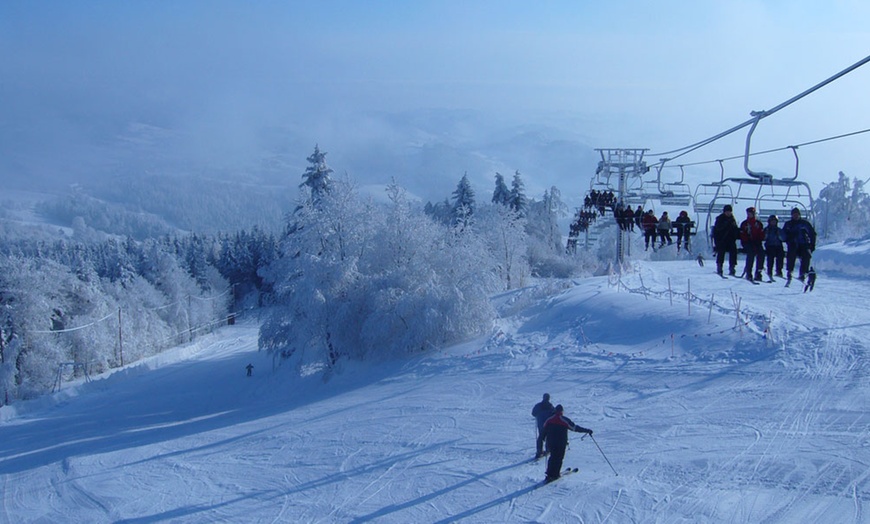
x=842, y=210
x=430, y=283
x=505, y=233
x=546, y=254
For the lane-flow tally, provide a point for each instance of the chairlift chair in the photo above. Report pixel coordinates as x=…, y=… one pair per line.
x=676, y=193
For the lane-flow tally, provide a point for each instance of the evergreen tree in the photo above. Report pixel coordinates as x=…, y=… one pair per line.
x=518, y=201
x=442, y=212
x=501, y=195
x=317, y=175
x=463, y=202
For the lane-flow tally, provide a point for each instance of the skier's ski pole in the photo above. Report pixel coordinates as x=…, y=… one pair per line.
x=603, y=455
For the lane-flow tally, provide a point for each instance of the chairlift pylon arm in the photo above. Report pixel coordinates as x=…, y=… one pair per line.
x=659, y=168
x=797, y=162
x=761, y=176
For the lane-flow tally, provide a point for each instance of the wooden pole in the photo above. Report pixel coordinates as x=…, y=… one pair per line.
x=120, y=339
x=689, y=296
x=710, y=314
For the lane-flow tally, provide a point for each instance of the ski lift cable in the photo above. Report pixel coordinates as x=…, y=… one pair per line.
x=758, y=115
x=768, y=151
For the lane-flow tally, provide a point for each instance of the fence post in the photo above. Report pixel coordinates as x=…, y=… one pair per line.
x=670, y=292
x=710, y=314
x=689, y=296
x=120, y=339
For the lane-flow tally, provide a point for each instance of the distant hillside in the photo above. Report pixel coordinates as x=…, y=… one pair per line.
x=197, y=178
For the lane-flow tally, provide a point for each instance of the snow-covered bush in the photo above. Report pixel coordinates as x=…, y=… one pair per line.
x=360, y=281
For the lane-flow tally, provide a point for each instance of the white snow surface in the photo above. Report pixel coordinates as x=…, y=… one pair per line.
x=706, y=415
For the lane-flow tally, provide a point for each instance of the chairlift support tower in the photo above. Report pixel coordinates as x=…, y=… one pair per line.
x=625, y=164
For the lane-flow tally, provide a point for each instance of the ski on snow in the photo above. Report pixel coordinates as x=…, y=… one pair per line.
x=565, y=472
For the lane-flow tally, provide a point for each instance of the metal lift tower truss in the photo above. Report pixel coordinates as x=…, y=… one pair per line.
x=626, y=165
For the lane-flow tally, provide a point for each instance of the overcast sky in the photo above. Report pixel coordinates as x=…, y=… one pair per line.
x=658, y=75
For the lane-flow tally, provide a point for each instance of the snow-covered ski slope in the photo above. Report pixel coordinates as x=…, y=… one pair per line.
x=703, y=421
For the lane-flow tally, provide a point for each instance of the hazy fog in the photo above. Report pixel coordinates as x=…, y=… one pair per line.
x=414, y=89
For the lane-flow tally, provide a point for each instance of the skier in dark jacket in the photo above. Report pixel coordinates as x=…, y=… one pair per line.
x=556, y=432
x=725, y=234
x=649, y=223
x=800, y=236
x=752, y=240
x=773, y=238
x=684, y=228
x=542, y=411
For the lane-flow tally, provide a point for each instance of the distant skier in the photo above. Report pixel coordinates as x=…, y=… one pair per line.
x=542, y=411
x=725, y=234
x=556, y=432
x=250, y=368
x=811, y=280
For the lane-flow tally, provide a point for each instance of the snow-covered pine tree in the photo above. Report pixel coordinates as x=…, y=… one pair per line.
x=317, y=175
x=518, y=201
x=501, y=195
x=441, y=212
x=316, y=276
x=463, y=203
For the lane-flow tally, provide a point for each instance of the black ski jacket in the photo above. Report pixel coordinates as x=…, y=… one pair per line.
x=556, y=430
x=725, y=232
x=542, y=411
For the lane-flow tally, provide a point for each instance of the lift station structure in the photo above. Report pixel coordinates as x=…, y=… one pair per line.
x=628, y=167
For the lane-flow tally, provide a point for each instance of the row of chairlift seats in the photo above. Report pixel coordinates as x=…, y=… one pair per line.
x=709, y=200
x=583, y=217
x=767, y=195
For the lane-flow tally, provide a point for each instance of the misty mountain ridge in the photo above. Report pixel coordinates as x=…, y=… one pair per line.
x=199, y=178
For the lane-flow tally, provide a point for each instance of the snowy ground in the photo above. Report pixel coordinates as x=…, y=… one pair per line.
x=703, y=421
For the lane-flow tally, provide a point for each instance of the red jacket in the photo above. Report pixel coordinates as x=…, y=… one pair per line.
x=751, y=230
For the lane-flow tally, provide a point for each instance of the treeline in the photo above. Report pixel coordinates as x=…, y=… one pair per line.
x=98, y=305
x=348, y=278
x=143, y=207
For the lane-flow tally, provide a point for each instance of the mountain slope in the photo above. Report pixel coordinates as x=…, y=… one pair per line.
x=703, y=421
